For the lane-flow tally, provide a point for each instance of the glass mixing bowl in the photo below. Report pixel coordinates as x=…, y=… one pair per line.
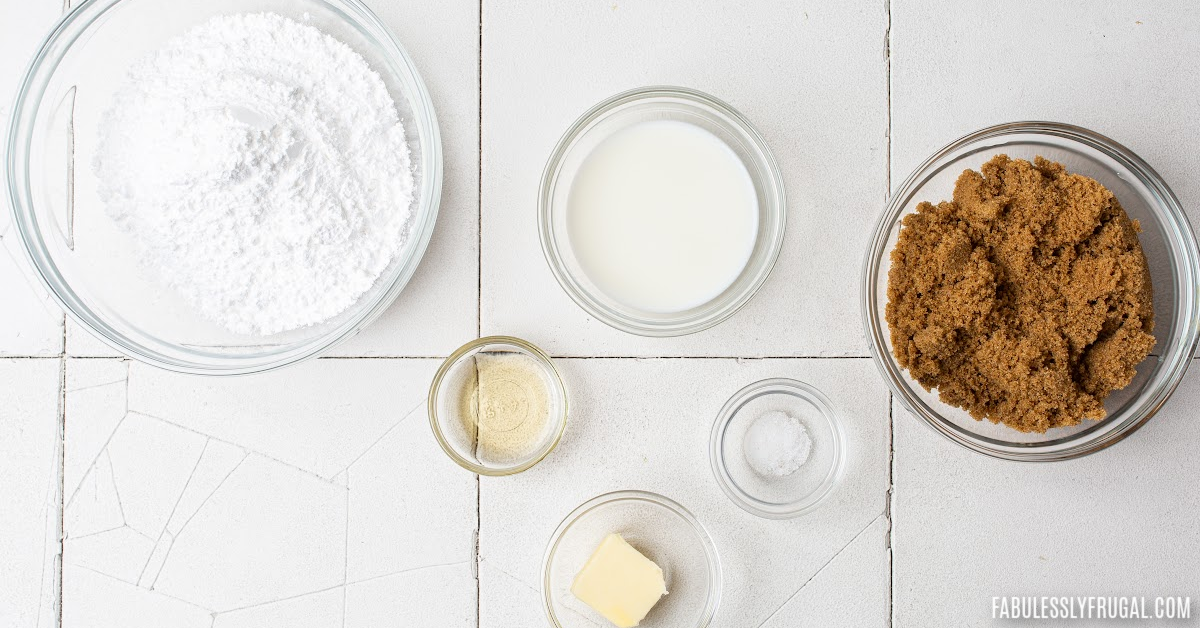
x=642, y=105
x=90, y=266
x=1166, y=238
x=662, y=531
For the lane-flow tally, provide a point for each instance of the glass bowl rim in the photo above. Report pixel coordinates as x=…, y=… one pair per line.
x=1180, y=235
x=710, y=313
x=543, y=360
x=749, y=503
x=715, y=572
x=133, y=344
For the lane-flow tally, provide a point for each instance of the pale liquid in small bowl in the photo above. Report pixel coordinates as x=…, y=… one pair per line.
x=662, y=216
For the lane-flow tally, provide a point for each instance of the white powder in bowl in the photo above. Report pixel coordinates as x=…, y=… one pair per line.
x=776, y=444
x=261, y=167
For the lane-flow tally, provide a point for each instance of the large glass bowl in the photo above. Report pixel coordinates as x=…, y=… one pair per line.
x=91, y=267
x=617, y=113
x=1167, y=240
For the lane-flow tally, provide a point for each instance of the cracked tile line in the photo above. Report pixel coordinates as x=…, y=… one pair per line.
x=389, y=430
x=409, y=570
x=822, y=568
x=289, y=465
x=277, y=601
x=539, y=593
x=216, y=489
x=112, y=478
x=92, y=466
x=144, y=591
x=336, y=586
x=91, y=386
x=175, y=507
x=91, y=534
x=512, y=577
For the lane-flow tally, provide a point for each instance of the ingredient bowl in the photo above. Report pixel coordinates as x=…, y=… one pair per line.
x=515, y=423
x=91, y=267
x=660, y=104
x=1170, y=249
x=804, y=489
x=662, y=531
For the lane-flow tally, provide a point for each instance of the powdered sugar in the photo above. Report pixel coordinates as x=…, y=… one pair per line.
x=262, y=166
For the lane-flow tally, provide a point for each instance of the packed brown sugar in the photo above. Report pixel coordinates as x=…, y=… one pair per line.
x=1026, y=300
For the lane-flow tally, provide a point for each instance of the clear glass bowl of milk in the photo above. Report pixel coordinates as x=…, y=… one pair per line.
x=662, y=211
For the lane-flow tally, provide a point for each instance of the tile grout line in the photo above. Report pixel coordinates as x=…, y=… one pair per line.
x=61, y=526
x=345, y=551
x=888, y=508
x=887, y=55
x=891, y=492
x=62, y=400
x=478, y=304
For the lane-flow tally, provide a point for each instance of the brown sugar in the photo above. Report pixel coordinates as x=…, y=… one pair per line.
x=1025, y=300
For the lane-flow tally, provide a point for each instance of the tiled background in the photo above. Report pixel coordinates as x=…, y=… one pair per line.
x=316, y=497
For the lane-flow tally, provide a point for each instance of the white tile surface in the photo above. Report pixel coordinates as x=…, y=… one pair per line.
x=410, y=505
x=81, y=343
x=1119, y=522
x=1120, y=71
x=279, y=532
x=845, y=592
x=318, y=416
x=96, y=402
x=645, y=424
x=439, y=596
x=253, y=498
x=30, y=322
x=98, y=601
x=29, y=478
x=316, y=610
x=811, y=76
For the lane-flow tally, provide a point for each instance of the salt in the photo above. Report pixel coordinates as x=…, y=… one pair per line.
x=776, y=444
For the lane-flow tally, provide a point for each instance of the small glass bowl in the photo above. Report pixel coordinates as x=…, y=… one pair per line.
x=662, y=531
x=1167, y=240
x=454, y=427
x=778, y=497
x=89, y=265
x=624, y=110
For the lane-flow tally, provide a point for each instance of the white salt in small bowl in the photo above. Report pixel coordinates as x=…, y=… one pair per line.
x=787, y=496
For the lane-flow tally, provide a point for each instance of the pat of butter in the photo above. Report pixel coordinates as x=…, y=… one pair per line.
x=619, y=582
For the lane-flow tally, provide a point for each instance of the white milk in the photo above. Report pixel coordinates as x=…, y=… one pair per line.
x=662, y=216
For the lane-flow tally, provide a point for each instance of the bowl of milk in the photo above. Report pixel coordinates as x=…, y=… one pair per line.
x=662, y=211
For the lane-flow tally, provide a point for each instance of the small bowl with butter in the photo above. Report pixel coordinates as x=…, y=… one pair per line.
x=497, y=406
x=631, y=558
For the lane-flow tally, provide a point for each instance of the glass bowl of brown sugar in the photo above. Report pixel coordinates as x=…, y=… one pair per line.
x=1172, y=257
